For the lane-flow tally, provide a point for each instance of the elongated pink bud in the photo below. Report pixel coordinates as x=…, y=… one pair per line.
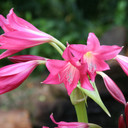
x=24, y=58
x=121, y=122
x=113, y=88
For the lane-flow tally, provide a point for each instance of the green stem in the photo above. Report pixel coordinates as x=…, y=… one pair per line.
x=81, y=112
x=59, y=43
x=41, y=61
x=78, y=99
x=56, y=47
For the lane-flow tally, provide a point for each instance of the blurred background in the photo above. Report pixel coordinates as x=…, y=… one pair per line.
x=66, y=20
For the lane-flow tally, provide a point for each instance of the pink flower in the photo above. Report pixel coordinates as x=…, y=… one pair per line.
x=11, y=76
x=113, y=88
x=63, y=124
x=123, y=61
x=19, y=35
x=68, y=72
x=94, y=55
x=123, y=123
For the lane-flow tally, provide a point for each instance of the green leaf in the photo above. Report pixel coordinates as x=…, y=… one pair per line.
x=94, y=95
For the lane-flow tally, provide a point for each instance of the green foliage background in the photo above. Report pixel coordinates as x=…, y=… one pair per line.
x=67, y=20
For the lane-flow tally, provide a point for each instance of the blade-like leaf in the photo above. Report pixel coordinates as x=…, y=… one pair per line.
x=94, y=95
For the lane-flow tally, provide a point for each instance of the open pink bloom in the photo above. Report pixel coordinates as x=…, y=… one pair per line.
x=123, y=123
x=68, y=72
x=19, y=34
x=11, y=76
x=123, y=61
x=63, y=124
x=94, y=55
x=113, y=88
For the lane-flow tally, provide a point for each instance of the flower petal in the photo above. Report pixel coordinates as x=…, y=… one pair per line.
x=54, y=66
x=52, y=79
x=70, y=76
x=19, y=23
x=123, y=61
x=113, y=88
x=28, y=36
x=92, y=42
x=4, y=24
x=108, y=52
x=13, y=69
x=24, y=58
x=9, y=82
x=8, y=53
x=78, y=50
x=20, y=43
x=85, y=83
x=100, y=65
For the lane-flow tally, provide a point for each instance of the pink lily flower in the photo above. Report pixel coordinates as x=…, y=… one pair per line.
x=123, y=61
x=19, y=34
x=113, y=88
x=123, y=123
x=94, y=55
x=63, y=124
x=11, y=76
x=68, y=72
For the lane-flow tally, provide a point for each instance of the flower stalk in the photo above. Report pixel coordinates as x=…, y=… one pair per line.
x=56, y=47
x=59, y=43
x=78, y=100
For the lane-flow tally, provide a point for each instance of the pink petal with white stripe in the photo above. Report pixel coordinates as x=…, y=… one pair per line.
x=62, y=72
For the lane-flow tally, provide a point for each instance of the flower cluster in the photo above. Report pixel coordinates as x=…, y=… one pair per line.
x=79, y=67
